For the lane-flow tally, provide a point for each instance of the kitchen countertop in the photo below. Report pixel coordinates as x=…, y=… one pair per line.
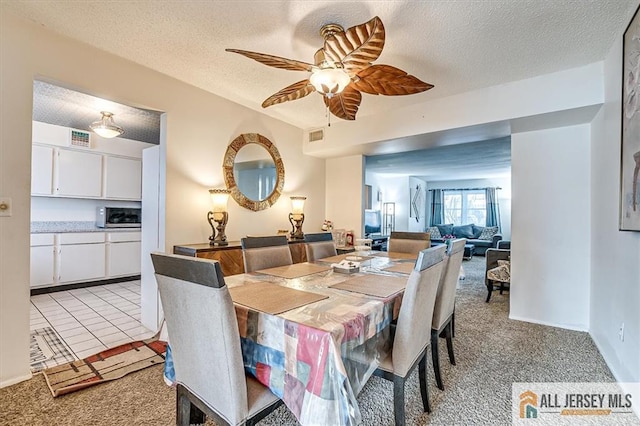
x=66, y=227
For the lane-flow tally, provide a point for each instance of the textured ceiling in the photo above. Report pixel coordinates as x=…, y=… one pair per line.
x=63, y=107
x=456, y=45
x=486, y=159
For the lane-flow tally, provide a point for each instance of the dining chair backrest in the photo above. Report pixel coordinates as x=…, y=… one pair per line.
x=445, y=300
x=412, y=337
x=265, y=252
x=319, y=245
x=203, y=332
x=408, y=242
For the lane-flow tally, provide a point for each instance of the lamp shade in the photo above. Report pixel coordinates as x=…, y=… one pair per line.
x=329, y=81
x=297, y=204
x=219, y=198
x=106, y=127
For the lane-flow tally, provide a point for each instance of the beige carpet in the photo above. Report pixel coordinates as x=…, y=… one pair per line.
x=491, y=353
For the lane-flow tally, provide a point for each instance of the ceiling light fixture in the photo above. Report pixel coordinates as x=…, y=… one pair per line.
x=105, y=127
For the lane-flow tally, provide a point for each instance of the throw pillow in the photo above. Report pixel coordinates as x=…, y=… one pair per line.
x=477, y=230
x=446, y=229
x=488, y=233
x=434, y=233
x=464, y=231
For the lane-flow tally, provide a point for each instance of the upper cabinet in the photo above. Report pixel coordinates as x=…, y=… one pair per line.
x=42, y=170
x=79, y=174
x=64, y=169
x=123, y=178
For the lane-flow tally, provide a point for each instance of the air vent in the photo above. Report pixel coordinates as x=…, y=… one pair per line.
x=316, y=135
x=80, y=138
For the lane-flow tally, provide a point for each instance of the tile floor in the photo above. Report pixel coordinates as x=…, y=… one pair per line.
x=92, y=319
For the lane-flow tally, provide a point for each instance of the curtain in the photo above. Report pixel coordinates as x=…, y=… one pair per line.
x=437, y=209
x=493, y=210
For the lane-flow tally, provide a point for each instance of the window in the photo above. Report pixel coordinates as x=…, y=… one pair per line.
x=462, y=207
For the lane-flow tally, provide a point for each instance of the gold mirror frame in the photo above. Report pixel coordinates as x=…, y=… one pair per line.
x=229, y=179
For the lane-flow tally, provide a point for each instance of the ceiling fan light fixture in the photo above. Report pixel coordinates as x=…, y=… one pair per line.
x=106, y=127
x=329, y=81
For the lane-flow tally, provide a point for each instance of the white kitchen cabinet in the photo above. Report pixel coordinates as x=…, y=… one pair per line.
x=42, y=260
x=41, y=170
x=79, y=174
x=42, y=266
x=123, y=178
x=124, y=258
x=123, y=253
x=81, y=257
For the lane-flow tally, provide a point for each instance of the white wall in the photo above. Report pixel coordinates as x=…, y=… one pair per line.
x=504, y=196
x=550, y=249
x=394, y=189
x=345, y=194
x=199, y=127
x=615, y=255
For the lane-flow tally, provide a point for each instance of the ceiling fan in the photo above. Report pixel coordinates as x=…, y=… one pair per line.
x=343, y=70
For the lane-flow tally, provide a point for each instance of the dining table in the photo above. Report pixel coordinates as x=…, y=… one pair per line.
x=314, y=335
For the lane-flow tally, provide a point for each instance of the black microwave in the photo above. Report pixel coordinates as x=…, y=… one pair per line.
x=118, y=217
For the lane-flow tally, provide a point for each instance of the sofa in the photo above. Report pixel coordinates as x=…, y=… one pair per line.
x=482, y=237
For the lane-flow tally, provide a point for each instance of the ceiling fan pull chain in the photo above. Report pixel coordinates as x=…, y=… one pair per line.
x=328, y=115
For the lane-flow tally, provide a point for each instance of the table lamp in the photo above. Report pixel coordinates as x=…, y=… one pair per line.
x=296, y=217
x=218, y=215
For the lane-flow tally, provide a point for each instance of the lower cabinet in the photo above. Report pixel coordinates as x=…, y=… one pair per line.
x=66, y=258
x=123, y=254
x=82, y=262
x=42, y=260
x=81, y=256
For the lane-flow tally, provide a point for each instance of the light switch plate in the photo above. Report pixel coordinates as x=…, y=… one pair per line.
x=5, y=206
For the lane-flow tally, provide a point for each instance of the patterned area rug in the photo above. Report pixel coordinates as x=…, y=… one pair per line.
x=47, y=349
x=107, y=365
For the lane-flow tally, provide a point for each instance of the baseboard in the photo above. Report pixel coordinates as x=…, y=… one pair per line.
x=73, y=286
x=550, y=324
x=15, y=380
x=623, y=384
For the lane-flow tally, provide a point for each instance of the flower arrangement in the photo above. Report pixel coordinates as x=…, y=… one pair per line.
x=327, y=225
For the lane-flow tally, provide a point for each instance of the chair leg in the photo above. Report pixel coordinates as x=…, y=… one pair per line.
x=187, y=413
x=489, y=290
x=398, y=400
x=448, y=335
x=424, y=389
x=453, y=323
x=436, y=359
x=501, y=287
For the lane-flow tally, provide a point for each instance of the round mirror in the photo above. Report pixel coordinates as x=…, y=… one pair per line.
x=253, y=171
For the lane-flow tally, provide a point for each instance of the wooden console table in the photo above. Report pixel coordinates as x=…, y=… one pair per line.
x=230, y=256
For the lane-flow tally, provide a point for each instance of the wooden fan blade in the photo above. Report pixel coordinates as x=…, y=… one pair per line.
x=290, y=93
x=274, y=61
x=389, y=81
x=345, y=104
x=357, y=47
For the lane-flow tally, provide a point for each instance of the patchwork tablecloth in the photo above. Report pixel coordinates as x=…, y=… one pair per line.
x=316, y=358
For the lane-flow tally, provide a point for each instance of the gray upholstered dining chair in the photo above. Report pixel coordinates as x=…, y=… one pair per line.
x=411, y=339
x=204, y=337
x=444, y=311
x=408, y=242
x=319, y=246
x=492, y=257
x=265, y=252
